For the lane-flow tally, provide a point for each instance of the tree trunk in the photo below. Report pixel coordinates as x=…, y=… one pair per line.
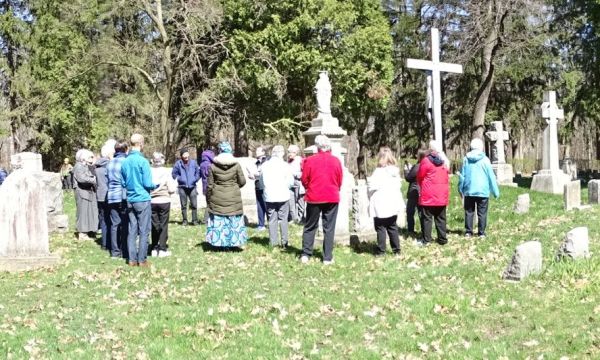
x=240, y=135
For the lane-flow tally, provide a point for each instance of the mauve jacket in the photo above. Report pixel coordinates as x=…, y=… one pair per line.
x=433, y=181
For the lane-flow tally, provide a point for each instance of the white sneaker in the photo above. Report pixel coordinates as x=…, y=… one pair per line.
x=164, y=253
x=154, y=253
x=328, y=262
x=304, y=259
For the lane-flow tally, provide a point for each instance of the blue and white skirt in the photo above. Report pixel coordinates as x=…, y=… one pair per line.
x=226, y=231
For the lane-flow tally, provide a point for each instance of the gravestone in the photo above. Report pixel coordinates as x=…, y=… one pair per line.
x=503, y=171
x=576, y=245
x=522, y=204
x=24, y=241
x=569, y=167
x=326, y=124
x=550, y=179
x=526, y=260
x=362, y=220
x=572, y=195
x=26, y=161
x=436, y=67
x=594, y=192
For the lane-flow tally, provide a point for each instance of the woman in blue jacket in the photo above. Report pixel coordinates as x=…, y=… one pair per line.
x=477, y=180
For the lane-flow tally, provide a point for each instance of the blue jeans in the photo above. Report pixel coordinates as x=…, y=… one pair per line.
x=140, y=215
x=261, y=207
x=118, y=228
x=104, y=222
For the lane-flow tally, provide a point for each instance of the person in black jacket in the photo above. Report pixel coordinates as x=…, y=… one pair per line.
x=412, y=194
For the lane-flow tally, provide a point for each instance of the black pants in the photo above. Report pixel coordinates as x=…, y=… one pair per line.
x=412, y=207
x=104, y=223
x=481, y=203
x=119, y=229
x=437, y=213
x=328, y=212
x=66, y=182
x=192, y=194
x=383, y=226
x=160, y=226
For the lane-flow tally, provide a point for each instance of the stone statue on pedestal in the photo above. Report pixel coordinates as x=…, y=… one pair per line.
x=323, y=92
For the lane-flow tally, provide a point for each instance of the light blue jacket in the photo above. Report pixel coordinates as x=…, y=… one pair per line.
x=477, y=177
x=136, y=177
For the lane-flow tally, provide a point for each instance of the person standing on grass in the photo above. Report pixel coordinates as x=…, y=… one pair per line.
x=225, y=227
x=412, y=195
x=385, y=199
x=137, y=180
x=322, y=177
x=187, y=173
x=66, y=174
x=433, y=181
x=254, y=174
x=276, y=179
x=117, y=201
x=85, y=195
x=106, y=154
x=205, y=164
x=297, y=191
x=477, y=180
x=161, y=205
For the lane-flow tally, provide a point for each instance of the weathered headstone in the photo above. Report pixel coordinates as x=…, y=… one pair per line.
x=550, y=179
x=594, y=192
x=526, y=260
x=26, y=161
x=503, y=171
x=569, y=167
x=572, y=195
x=522, y=204
x=362, y=220
x=326, y=124
x=23, y=224
x=576, y=244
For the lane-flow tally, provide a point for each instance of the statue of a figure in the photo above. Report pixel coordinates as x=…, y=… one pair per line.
x=323, y=91
x=429, y=98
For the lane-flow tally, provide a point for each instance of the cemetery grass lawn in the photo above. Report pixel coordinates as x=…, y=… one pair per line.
x=436, y=302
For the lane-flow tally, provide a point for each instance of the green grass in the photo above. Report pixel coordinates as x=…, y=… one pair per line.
x=438, y=302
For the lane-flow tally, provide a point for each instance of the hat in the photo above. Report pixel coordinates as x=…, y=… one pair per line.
x=183, y=151
x=225, y=147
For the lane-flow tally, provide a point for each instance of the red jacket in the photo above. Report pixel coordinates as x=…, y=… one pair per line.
x=433, y=181
x=322, y=178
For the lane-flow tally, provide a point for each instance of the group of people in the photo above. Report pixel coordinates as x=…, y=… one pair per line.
x=126, y=198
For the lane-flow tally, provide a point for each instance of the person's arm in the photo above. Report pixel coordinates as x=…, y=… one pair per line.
x=241, y=179
x=197, y=176
x=411, y=176
x=305, y=178
x=175, y=171
x=339, y=172
x=423, y=165
x=461, y=177
x=84, y=177
x=210, y=181
x=147, y=182
x=492, y=179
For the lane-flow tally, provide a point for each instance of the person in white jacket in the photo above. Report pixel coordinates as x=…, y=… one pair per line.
x=276, y=179
x=161, y=205
x=385, y=199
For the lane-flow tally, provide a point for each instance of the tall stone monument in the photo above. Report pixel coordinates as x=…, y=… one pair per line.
x=550, y=179
x=24, y=241
x=326, y=124
x=504, y=171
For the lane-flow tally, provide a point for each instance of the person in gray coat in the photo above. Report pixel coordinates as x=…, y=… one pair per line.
x=85, y=195
x=107, y=152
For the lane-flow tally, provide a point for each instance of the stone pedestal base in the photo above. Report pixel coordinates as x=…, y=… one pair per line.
x=15, y=264
x=504, y=174
x=551, y=182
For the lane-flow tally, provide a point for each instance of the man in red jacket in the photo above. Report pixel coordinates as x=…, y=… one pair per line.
x=322, y=178
x=433, y=181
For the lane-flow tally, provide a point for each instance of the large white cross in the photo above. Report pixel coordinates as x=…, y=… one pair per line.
x=436, y=67
x=552, y=113
x=499, y=136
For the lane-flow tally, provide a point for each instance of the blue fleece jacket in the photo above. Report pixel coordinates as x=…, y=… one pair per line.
x=187, y=175
x=137, y=178
x=477, y=177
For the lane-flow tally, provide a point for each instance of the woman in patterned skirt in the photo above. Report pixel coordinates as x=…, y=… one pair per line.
x=225, y=226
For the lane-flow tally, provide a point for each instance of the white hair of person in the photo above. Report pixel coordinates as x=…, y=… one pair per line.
x=477, y=144
x=137, y=140
x=278, y=151
x=434, y=146
x=107, y=150
x=83, y=155
x=158, y=159
x=293, y=148
x=323, y=143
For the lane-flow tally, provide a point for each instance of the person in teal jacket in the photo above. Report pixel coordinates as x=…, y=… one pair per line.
x=137, y=180
x=476, y=181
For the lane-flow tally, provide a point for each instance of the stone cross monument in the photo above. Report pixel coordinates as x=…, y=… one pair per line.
x=504, y=171
x=326, y=124
x=550, y=179
x=436, y=68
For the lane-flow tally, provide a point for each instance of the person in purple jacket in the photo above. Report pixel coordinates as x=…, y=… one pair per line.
x=187, y=173
x=205, y=163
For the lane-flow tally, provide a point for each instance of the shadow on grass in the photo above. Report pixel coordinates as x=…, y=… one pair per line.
x=264, y=241
x=210, y=248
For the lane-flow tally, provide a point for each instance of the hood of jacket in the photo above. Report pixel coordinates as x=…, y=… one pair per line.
x=207, y=156
x=435, y=159
x=102, y=162
x=225, y=161
x=475, y=155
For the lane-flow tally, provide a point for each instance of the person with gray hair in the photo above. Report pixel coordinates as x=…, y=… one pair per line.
x=161, y=205
x=85, y=195
x=106, y=154
x=297, y=191
x=322, y=177
x=476, y=181
x=276, y=179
